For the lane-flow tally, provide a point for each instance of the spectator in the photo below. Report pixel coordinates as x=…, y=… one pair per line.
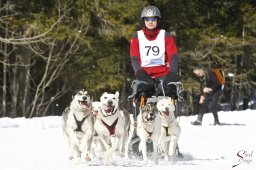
x=210, y=92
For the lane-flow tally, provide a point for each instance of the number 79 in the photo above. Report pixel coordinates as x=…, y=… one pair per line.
x=154, y=49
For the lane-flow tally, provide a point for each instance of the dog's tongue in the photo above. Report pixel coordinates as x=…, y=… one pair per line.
x=166, y=113
x=109, y=109
x=83, y=104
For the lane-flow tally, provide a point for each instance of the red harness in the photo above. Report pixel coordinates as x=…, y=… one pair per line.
x=111, y=128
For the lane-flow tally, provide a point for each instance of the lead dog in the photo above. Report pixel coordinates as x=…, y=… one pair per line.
x=148, y=130
x=77, y=125
x=112, y=125
x=170, y=130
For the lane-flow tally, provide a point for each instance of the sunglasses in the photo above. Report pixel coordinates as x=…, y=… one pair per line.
x=150, y=19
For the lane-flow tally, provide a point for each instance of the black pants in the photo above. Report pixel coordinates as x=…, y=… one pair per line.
x=210, y=104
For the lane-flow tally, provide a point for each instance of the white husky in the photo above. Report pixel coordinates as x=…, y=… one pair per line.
x=148, y=130
x=77, y=124
x=170, y=130
x=112, y=125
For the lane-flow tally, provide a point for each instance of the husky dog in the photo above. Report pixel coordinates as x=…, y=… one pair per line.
x=170, y=130
x=77, y=124
x=112, y=125
x=148, y=130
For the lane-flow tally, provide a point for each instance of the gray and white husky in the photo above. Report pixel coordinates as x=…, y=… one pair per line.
x=148, y=130
x=77, y=124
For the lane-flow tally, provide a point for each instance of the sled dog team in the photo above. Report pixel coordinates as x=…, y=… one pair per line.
x=100, y=129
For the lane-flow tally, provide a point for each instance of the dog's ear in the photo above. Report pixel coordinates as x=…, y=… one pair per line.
x=158, y=105
x=117, y=94
x=154, y=104
x=74, y=93
x=103, y=94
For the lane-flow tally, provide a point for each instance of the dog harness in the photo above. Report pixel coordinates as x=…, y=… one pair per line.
x=149, y=133
x=79, y=123
x=111, y=128
x=166, y=130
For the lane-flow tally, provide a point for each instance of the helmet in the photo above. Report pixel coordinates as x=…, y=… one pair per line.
x=150, y=11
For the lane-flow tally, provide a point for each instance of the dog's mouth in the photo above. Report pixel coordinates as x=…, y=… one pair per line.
x=166, y=113
x=109, y=109
x=84, y=104
x=150, y=118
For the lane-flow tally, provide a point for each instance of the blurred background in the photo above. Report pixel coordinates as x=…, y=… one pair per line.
x=50, y=48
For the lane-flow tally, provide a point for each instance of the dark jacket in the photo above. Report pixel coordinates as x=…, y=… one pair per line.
x=209, y=80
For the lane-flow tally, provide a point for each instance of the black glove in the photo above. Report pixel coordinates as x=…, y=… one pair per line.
x=143, y=76
x=147, y=89
x=171, y=91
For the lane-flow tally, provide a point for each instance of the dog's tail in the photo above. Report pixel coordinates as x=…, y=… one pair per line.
x=64, y=120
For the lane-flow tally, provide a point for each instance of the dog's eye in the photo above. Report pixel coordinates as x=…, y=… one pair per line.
x=80, y=94
x=114, y=98
x=105, y=97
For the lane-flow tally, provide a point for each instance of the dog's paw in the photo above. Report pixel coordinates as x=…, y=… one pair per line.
x=172, y=159
x=160, y=150
x=87, y=158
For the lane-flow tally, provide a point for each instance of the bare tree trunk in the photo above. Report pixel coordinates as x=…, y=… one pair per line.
x=5, y=70
x=14, y=89
x=4, y=80
x=24, y=80
x=26, y=99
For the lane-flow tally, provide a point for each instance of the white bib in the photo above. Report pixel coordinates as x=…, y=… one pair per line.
x=152, y=52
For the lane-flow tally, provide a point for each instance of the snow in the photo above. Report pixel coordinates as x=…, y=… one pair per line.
x=38, y=144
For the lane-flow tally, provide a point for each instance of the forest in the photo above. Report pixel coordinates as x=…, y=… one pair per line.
x=50, y=48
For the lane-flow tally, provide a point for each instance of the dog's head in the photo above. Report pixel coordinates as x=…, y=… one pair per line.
x=96, y=108
x=109, y=103
x=149, y=113
x=81, y=100
x=166, y=108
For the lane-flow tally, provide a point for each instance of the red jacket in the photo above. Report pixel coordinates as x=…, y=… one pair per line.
x=171, y=54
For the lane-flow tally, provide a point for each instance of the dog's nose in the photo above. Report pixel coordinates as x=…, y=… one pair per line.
x=84, y=97
x=151, y=114
x=167, y=109
x=110, y=102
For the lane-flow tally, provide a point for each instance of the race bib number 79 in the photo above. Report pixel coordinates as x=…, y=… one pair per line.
x=152, y=49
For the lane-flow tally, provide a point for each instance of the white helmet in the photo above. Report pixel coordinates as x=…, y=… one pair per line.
x=150, y=11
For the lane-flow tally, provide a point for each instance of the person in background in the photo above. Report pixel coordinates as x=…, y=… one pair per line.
x=210, y=92
x=154, y=56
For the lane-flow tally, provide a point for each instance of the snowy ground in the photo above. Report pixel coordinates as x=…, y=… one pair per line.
x=38, y=144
